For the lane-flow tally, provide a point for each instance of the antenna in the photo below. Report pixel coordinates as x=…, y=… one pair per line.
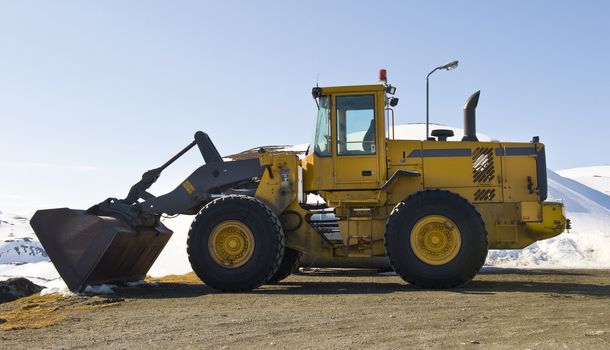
x=317, y=80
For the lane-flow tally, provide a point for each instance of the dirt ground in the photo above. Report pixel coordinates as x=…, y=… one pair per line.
x=500, y=309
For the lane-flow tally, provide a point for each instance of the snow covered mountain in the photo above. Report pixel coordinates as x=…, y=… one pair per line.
x=21, y=255
x=18, y=244
x=596, y=177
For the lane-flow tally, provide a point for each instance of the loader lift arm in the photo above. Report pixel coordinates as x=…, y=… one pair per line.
x=141, y=208
x=208, y=151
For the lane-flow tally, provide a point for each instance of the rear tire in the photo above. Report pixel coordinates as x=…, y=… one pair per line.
x=235, y=243
x=288, y=266
x=436, y=239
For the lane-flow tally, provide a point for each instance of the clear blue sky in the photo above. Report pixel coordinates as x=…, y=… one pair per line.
x=94, y=93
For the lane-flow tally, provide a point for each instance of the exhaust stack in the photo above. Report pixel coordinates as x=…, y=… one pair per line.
x=470, y=122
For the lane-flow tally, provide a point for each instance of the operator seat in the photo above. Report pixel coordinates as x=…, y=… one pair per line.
x=368, y=142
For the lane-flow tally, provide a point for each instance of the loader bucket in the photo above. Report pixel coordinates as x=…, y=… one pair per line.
x=89, y=249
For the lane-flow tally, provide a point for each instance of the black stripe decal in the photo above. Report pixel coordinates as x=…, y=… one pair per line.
x=467, y=152
x=431, y=153
x=515, y=151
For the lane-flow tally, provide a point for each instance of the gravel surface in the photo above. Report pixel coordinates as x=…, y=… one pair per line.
x=331, y=309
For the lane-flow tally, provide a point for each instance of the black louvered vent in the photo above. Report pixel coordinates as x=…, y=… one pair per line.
x=483, y=165
x=484, y=194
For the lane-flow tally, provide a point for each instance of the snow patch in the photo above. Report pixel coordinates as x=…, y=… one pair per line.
x=141, y=283
x=302, y=148
x=41, y=273
x=99, y=289
x=587, y=245
x=314, y=199
x=576, y=251
x=57, y=287
x=173, y=260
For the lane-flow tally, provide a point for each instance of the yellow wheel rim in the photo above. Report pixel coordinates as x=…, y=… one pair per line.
x=231, y=244
x=435, y=239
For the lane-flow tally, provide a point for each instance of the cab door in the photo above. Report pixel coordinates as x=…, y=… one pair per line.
x=356, y=145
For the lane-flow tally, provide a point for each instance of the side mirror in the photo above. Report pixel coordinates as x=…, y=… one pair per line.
x=316, y=92
x=393, y=101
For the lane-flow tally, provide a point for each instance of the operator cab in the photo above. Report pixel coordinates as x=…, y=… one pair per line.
x=349, y=143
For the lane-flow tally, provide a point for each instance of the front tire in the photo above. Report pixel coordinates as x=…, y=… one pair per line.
x=235, y=243
x=436, y=239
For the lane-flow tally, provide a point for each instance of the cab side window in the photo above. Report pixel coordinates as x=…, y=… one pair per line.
x=322, y=140
x=355, y=124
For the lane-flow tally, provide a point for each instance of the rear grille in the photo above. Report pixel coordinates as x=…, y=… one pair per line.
x=483, y=170
x=485, y=194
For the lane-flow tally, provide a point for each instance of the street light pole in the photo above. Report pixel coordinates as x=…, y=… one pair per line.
x=449, y=66
x=428, y=102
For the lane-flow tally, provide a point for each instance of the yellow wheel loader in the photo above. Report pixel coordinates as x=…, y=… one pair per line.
x=431, y=208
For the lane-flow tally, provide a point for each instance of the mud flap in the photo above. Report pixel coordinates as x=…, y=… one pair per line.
x=88, y=249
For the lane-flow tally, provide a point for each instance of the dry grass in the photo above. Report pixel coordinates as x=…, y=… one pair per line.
x=40, y=311
x=189, y=278
x=31, y=312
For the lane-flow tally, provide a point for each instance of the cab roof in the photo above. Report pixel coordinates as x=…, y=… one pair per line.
x=352, y=88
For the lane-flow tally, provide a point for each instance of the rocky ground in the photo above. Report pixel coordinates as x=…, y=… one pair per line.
x=15, y=288
x=500, y=309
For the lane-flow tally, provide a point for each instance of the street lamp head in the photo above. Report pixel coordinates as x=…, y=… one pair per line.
x=449, y=66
